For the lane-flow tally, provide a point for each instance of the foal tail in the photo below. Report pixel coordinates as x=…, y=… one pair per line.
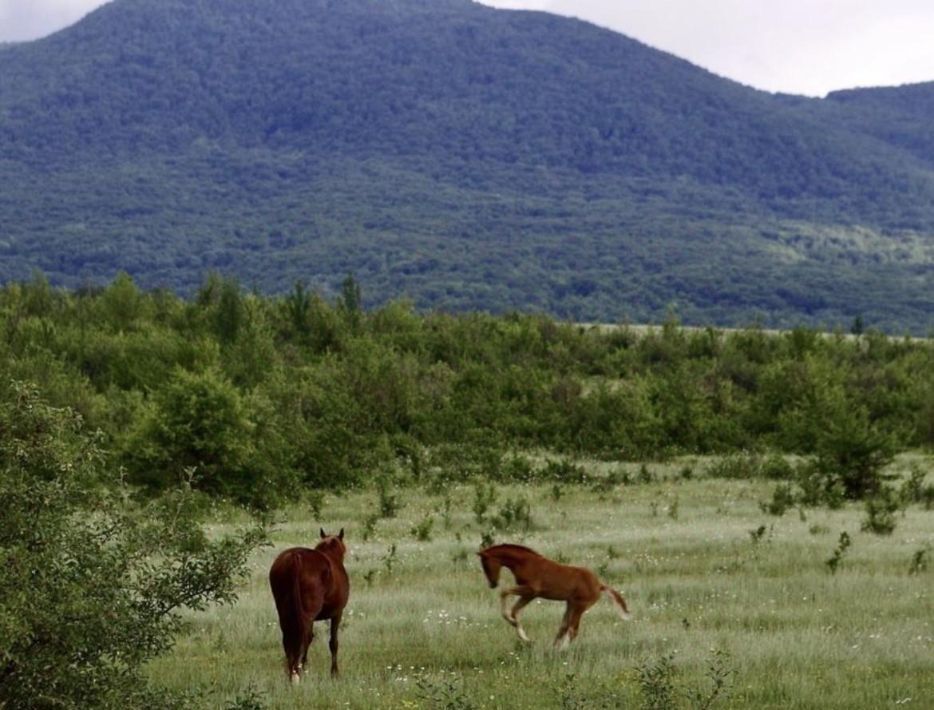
x=617, y=600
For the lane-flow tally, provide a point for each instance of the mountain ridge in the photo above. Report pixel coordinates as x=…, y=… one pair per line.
x=169, y=138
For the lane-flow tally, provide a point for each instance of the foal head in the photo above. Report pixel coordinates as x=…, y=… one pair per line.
x=332, y=544
x=491, y=567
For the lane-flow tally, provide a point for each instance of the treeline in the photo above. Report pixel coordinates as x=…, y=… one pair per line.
x=249, y=397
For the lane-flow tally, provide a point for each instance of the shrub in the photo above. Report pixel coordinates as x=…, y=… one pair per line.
x=91, y=588
x=783, y=498
x=515, y=513
x=421, y=531
x=913, y=489
x=201, y=422
x=388, y=502
x=735, y=466
x=443, y=693
x=562, y=470
x=484, y=496
x=880, y=512
x=919, y=560
x=833, y=562
x=851, y=452
x=656, y=680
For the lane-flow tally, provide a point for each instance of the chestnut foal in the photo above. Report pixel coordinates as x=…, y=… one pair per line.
x=537, y=576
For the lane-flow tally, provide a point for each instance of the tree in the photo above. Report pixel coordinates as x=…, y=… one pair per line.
x=350, y=303
x=199, y=423
x=92, y=584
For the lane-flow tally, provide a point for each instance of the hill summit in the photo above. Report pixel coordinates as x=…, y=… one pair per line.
x=459, y=155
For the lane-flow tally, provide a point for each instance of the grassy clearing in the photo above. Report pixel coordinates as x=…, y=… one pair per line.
x=423, y=629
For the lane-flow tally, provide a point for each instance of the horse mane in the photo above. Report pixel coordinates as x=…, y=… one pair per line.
x=508, y=547
x=331, y=544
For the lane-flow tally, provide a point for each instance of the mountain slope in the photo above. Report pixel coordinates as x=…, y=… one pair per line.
x=466, y=156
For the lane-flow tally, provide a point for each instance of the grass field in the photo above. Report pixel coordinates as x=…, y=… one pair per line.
x=707, y=585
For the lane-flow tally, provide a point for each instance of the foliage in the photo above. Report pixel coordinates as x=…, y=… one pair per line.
x=919, y=560
x=199, y=423
x=880, y=512
x=483, y=498
x=851, y=452
x=844, y=543
x=442, y=693
x=85, y=600
x=421, y=531
x=515, y=514
x=388, y=502
x=292, y=396
x=783, y=497
x=656, y=680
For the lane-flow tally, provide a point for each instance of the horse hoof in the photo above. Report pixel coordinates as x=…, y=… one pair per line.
x=296, y=678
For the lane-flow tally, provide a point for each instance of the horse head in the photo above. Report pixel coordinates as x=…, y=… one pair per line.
x=491, y=568
x=332, y=544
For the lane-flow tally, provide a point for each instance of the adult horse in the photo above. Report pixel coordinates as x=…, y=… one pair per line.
x=309, y=586
x=537, y=576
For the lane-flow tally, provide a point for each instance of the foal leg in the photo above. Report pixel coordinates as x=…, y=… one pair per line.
x=562, y=640
x=520, y=591
x=525, y=595
x=517, y=607
x=335, y=626
x=575, y=622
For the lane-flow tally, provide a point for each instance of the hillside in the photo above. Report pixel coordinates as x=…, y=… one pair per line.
x=463, y=156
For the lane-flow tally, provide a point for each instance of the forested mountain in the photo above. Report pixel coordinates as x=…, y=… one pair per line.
x=464, y=156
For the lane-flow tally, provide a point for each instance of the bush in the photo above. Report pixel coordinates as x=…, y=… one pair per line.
x=199, y=422
x=880, y=512
x=91, y=587
x=783, y=498
x=851, y=452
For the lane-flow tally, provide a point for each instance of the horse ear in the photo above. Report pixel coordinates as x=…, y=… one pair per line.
x=340, y=535
x=323, y=534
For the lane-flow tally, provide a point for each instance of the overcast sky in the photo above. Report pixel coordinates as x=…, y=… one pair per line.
x=796, y=46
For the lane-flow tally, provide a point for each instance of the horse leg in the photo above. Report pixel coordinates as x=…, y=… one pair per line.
x=306, y=642
x=520, y=591
x=292, y=645
x=571, y=624
x=335, y=626
x=517, y=607
x=561, y=640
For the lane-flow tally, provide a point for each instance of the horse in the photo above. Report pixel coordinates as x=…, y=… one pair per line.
x=309, y=586
x=537, y=576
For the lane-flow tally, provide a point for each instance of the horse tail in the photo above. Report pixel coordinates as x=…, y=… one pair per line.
x=287, y=591
x=617, y=600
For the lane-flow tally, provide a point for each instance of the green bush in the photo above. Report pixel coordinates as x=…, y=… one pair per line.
x=92, y=587
x=199, y=426
x=852, y=452
x=259, y=394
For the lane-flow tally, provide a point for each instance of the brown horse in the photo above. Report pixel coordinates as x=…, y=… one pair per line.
x=537, y=576
x=309, y=586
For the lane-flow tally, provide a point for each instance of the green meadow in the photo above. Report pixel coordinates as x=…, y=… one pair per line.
x=732, y=606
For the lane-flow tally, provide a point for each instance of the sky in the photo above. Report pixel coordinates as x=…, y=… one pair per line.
x=794, y=46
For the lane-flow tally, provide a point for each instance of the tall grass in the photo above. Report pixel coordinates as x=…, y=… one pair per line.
x=709, y=585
